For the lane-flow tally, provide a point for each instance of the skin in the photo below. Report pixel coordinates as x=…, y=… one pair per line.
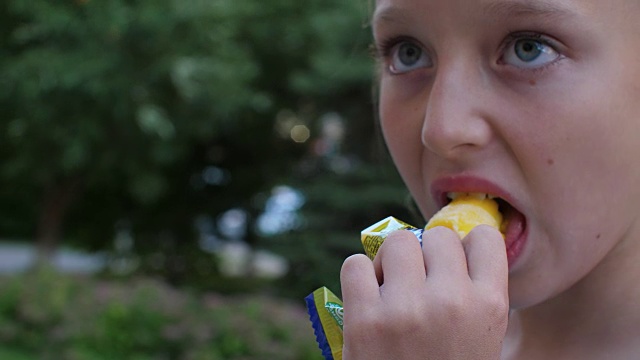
x=559, y=133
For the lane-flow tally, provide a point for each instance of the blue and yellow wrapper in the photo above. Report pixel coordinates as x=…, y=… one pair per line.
x=326, y=315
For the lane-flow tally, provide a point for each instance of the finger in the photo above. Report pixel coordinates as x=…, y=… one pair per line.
x=443, y=254
x=487, y=257
x=399, y=262
x=358, y=281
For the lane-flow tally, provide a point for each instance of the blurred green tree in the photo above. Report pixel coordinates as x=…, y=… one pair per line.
x=102, y=97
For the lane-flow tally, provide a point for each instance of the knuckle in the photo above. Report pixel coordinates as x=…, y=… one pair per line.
x=457, y=309
x=496, y=305
x=400, y=238
x=485, y=229
x=353, y=263
x=496, y=311
x=487, y=234
x=358, y=319
x=402, y=320
x=367, y=323
x=454, y=306
x=440, y=234
x=405, y=311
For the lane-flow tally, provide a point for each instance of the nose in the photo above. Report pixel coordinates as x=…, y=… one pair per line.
x=457, y=112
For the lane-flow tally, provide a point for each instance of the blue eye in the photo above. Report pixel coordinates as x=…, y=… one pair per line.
x=408, y=56
x=530, y=53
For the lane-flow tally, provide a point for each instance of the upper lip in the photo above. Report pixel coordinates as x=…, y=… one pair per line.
x=466, y=184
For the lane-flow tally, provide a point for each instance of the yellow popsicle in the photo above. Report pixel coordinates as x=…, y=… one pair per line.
x=466, y=212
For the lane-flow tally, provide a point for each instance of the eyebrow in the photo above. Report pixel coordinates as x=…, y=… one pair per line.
x=390, y=14
x=507, y=9
x=524, y=8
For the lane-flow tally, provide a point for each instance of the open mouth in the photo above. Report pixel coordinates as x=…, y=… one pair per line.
x=513, y=223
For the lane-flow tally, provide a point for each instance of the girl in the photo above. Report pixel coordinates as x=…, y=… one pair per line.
x=537, y=103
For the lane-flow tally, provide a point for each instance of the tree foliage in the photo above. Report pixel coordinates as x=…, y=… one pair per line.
x=111, y=95
x=159, y=111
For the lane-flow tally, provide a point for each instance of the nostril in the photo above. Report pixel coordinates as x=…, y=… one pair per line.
x=454, y=136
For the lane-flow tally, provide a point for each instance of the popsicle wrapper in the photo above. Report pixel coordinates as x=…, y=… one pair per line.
x=325, y=314
x=373, y=236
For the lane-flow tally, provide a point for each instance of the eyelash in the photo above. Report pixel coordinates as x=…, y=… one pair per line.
x=384, y=48
x=515, y=36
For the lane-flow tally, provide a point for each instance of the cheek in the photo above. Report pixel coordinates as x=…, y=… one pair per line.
x=583, y=172
x=401, y=117
x=581, y=175
x=403, y=104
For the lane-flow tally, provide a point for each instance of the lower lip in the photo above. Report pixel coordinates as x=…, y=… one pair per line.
x=515, y=239
x=515, y=249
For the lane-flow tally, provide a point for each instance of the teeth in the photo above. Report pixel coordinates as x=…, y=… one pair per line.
x=454, y=195
x=480, y=196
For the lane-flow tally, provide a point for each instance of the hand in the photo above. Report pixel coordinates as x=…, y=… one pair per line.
x=448, y=300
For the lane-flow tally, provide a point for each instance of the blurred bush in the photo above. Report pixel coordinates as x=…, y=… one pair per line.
x=46, y=315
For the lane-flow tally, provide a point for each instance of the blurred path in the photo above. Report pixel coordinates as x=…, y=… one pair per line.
x=18, y=257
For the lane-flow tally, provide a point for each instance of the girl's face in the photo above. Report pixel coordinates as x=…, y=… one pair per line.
x=536, y=102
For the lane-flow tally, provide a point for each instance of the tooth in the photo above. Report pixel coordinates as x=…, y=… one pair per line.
x=479, y=196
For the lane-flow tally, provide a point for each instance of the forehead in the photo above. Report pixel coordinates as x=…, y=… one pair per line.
x=399, y=10
x=524, y=4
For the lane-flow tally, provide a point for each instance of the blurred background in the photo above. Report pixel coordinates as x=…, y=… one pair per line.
x=177, y=175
